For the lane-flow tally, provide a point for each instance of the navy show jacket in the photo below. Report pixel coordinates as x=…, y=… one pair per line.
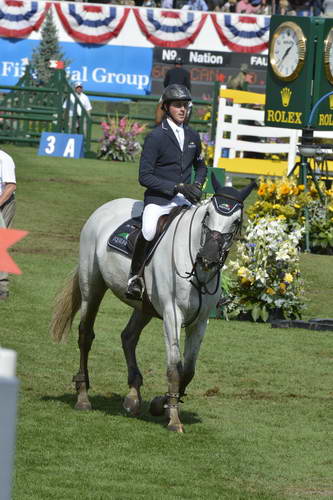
x=163, y=164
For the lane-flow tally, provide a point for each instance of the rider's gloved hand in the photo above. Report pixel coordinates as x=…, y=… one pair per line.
x=192, y=192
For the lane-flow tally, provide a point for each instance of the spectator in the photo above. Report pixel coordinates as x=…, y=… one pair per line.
x=327, y=7
x=241, y=80
x=167, y=4
x=246, y=7
x=195, y=5
x=178, y=75
x=286, y=9
x=265, y=8
x=229, y=6
x=7, y=206
x=84, y=99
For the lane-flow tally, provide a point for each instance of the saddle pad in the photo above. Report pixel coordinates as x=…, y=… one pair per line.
x=119, y=239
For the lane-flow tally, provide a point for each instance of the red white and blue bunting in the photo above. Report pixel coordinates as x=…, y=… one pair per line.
x=19, y=18
x=91, y=23
x=242, y=33
x=98, y=24
x=167, y=28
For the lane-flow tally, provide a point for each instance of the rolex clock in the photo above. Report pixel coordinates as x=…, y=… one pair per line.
x=328, y=56
x=287, y=51
x=289, y=80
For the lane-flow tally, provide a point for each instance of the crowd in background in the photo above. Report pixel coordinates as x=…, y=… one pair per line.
x=264, y=7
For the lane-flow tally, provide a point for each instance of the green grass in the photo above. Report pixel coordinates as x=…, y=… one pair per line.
x=258, y=415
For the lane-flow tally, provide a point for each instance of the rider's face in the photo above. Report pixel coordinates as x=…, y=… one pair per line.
x=178, y=110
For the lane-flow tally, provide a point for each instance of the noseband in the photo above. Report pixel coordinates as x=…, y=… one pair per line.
x=215, y=246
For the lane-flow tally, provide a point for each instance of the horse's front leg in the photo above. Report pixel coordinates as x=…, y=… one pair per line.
x=194, y=336
x=172, y=326
x=130, y=337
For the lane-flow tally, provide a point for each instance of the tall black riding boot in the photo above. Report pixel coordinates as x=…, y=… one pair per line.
x=135, y=282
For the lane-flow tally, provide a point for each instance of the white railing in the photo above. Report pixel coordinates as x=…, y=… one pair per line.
x=235, y=138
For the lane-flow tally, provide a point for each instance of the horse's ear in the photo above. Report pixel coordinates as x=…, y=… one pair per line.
x=244, y=193
x=216, y=185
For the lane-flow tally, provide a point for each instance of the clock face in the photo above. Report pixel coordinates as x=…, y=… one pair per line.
x=287, y=51
x=328, y=56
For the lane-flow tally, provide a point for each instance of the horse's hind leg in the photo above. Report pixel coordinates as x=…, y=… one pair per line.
x=89, y=309
x=130, y=337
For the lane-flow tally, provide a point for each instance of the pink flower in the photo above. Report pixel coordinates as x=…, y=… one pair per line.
x=105, y=126
x=122, y=123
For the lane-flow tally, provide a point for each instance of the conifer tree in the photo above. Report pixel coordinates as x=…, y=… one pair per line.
x=47, y=50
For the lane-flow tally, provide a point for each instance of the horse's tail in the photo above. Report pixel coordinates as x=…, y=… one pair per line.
x=67, y=304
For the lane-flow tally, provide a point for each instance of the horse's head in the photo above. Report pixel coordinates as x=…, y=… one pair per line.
x=222, y=221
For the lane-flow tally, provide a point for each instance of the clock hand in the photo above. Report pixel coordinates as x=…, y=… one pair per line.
x=286, y=53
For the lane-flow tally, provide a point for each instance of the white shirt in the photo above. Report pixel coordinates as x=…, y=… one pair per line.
x=7, y=170
x=178, y=130
x=83, y=98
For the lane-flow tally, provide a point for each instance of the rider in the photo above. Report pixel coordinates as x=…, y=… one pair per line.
x=169, y=152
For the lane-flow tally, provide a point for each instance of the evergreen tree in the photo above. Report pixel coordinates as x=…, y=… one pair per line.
x=47, y=50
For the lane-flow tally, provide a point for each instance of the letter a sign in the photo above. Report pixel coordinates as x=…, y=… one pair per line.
x=64, y=145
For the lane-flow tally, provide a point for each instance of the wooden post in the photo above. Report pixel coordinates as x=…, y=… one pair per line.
x=8, y=398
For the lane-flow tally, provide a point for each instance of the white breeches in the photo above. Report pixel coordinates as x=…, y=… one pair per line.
x=152, y=213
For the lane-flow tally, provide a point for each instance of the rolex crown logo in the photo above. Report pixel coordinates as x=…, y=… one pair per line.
x=330, y=98
x=286, y=96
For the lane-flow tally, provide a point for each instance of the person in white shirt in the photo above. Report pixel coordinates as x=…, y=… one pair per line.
x=7, y=205
x=84, y=99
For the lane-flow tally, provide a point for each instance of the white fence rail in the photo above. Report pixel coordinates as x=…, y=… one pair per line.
x=241, y=130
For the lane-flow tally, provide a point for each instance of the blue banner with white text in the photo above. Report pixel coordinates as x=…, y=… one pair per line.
x=101, y=68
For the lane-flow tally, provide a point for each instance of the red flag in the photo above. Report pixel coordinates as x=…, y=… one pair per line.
x=7, y=238
x=56, y=64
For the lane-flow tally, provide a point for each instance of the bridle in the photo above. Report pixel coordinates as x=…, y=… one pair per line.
x=209, y=239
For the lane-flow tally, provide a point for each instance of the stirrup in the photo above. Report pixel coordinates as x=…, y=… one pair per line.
x=135, y=288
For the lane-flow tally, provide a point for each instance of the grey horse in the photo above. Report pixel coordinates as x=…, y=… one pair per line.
x=182, y=282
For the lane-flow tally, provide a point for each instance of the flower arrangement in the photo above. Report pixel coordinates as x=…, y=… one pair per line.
x=119, y=141
x=265, y=279
x=287, y=201
x=207, y=149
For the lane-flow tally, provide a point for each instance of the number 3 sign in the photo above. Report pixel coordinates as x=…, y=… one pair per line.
x=65, y=145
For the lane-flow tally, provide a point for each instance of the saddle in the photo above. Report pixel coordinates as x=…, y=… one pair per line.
x=123, y=239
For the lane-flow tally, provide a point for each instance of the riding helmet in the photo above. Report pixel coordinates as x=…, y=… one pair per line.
x=175, y=92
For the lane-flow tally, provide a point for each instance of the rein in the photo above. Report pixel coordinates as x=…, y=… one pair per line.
x=200, y=286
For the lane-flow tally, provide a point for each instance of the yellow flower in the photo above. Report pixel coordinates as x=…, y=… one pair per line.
x=270, y=291
x=245, y=281
x=301, y=187
x=242, y=271
x=288, y=278
x=281, y=217
x=284, y=190
x=282, y=287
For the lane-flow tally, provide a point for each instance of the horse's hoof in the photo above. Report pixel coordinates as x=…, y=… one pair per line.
x=156, y=408
x=132, y=406
x=83, y=405
x=176, y=428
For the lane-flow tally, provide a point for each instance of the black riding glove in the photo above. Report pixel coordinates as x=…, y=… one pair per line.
x=192, y=192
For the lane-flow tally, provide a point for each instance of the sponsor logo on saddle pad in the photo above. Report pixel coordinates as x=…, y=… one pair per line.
x=119, y=238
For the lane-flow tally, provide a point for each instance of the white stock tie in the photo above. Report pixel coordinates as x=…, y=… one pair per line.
x=180, y=137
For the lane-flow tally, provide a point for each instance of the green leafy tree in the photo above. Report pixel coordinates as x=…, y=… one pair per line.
x=47, y=50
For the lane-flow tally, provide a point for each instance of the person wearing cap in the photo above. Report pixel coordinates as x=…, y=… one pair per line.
x=178, y=75
x=7, y=206
x=169, y=152
x=84, y=99
x=241, y=80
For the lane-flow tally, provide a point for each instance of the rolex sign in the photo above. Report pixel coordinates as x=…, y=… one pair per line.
x=289, y=72
x=300, y=73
